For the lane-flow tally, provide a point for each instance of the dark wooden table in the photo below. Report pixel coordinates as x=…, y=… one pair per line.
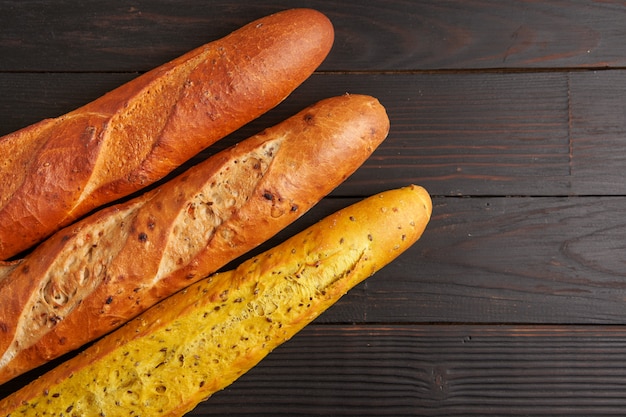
x=511, y=113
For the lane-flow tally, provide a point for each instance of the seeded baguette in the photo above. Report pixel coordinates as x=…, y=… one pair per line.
x=57, y=170
x=93, y=276
x=200, y=340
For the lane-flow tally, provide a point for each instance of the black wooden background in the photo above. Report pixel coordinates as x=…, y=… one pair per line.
x=511, y=113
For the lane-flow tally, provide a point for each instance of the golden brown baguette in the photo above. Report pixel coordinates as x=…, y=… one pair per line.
x=93, y=276
x=200, y=340
x=57, y=170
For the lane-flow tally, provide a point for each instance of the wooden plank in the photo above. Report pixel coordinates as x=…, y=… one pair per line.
x=486, y=134
x=435, y=371
x=495, y=260
x=92, y=35
x=471, y=134
x=465, y=134
x=500, y=260
x=598, y=132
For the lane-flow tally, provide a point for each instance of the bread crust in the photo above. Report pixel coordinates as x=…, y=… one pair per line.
x=98, y=273
x=57, y=170
x=203, y=338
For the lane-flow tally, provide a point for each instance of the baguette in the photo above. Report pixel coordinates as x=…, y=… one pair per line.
x=93, y=276
x=203, y=338
x=57, y=170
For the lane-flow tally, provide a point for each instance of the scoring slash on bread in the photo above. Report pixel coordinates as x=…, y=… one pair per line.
x=93, y=276
x=203, y=338
x=57, y=170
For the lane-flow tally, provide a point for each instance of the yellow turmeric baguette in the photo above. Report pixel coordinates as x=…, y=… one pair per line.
x=198, y=341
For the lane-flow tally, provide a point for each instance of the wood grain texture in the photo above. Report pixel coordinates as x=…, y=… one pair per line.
x=509, y=260
x=542, y=260
x=486, y=135
x=598, y=131
x=470, y=134
x=398, y=35
x=556, y=260
x=434, y=370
